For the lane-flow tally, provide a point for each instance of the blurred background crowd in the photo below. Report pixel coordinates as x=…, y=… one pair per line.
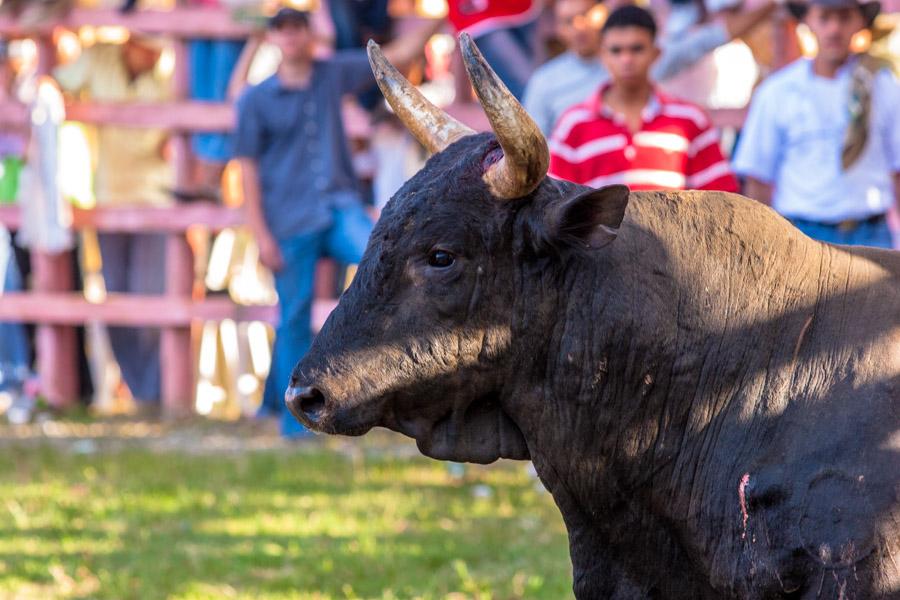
x=289, y=129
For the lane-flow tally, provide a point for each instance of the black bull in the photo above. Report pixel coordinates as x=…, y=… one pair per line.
x=712, y=398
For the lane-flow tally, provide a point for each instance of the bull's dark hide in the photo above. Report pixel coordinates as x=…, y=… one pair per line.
x=712, y=398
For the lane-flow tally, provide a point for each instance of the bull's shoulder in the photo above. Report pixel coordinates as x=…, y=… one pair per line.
x=722, y=222
x=711, y=206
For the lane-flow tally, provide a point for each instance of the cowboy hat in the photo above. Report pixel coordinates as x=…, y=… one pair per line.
x=869, y=9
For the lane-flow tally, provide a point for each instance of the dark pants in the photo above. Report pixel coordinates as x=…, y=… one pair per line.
x=135, y=263
x=344, y=241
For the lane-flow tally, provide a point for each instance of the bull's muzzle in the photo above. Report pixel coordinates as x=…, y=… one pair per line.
x=307, y=404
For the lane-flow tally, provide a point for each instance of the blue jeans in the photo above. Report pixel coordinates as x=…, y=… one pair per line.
x=876, y=234
x=345, y=240
x=512, y=54
x=14, y=349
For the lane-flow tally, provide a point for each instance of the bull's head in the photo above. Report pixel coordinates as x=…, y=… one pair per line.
x=429, y=340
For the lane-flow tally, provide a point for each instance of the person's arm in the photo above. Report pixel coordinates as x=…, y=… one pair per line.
x=238, y=82
x=323, y=27
x=351, y=67
x=758, y=190
x=409, y=46
x=740, y=22
x=684, y=51
x=269, y=252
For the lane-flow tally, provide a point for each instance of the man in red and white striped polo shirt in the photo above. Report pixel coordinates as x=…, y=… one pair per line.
x=631, y=133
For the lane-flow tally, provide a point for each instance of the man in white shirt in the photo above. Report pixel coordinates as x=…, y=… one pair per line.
x=821, y=143
x=573, y=76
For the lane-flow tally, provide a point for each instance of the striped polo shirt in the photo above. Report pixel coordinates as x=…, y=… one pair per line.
x=676, y=147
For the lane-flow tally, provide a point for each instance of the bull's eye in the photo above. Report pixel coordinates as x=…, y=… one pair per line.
x=440, y=259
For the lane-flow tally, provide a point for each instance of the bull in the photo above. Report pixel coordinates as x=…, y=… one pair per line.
x=712, y=398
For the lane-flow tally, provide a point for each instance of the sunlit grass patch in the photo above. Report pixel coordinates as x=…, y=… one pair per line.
x=306, y=524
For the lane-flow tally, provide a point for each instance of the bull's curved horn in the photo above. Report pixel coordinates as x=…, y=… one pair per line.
x=525, y=154
x=434, y=128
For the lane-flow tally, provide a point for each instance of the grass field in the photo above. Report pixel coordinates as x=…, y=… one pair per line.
x=300, y=522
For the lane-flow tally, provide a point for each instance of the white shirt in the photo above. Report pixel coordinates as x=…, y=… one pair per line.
x=793, y=138
x=568, y=79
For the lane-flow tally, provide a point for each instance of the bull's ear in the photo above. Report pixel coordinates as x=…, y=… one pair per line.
x=589, y=220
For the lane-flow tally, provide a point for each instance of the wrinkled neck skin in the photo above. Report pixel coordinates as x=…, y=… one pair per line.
x=663, y=345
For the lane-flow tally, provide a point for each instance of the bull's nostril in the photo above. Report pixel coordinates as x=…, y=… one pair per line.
x=307, y=403
x=312, y=403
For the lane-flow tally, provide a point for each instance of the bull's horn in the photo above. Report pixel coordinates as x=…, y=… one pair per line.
x=525, y=154
x=434, y=128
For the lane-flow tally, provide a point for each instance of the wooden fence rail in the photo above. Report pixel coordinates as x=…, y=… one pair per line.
x=56, y=309
x=52, y=304
x=134, y=219
x=132, y=310
x=183, y=22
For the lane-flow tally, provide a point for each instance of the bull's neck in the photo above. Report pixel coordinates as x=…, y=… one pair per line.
x=606, y=360
x=650, y=342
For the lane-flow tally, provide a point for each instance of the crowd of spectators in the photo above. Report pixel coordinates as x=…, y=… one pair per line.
x=821, y=143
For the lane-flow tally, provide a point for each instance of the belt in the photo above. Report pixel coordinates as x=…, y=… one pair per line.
x=847, y=225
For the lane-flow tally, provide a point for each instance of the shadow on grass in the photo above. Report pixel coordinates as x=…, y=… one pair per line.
x=274, y=524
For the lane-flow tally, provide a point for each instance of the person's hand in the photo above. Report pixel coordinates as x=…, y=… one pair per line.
x=269, y=253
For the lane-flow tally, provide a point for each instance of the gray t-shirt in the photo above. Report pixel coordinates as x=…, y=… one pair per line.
x=568, y=79
x=296, y=135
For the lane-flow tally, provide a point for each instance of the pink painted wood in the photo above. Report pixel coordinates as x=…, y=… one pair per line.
x=179, y=115
x=132, y=310
x=55, y=343
x=134, y=219
x=180, y=23
x=176, y=355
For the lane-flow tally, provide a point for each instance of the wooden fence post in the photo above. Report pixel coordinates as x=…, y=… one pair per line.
x=55, y=345
x=176, y=358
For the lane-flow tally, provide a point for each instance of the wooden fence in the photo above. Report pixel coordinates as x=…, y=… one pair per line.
x=51, y=303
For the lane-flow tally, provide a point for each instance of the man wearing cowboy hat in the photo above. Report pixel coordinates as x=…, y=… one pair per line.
x=821, y=143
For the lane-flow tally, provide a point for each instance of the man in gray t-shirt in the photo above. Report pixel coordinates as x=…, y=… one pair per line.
x=577, y=73
x=301, y=195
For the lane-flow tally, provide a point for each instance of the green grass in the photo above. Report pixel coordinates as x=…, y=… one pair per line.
x=297, y=523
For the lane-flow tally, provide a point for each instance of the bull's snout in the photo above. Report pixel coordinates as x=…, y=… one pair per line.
x=306, y=403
